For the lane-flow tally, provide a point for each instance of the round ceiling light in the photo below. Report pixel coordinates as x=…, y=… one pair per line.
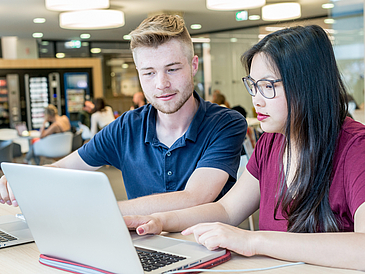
x=281, y=11
x=68, y=5
x=92, y=19
x=234, y=4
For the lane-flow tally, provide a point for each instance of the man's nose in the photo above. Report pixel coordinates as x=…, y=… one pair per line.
x=162, y=81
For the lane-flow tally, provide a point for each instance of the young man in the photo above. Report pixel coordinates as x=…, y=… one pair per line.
x=179, y=150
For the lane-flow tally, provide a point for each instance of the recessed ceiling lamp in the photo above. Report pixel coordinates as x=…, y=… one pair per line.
x=196, y=26
x=254, y=17
x=234, y=4
x=92, y=19
x=85, y=36
x=281, y=11
x=127, y=37
x=68, y=5
x=328, y=6
x=37, y=35
x=39, y=20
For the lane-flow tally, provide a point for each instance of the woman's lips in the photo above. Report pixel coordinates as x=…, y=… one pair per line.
x=261, y=116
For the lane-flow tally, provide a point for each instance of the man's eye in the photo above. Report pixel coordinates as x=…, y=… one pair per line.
x=173, y=70
x=148, y=73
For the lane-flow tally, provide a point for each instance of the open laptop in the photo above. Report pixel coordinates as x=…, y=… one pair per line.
x=74, y=216
x=14, y=231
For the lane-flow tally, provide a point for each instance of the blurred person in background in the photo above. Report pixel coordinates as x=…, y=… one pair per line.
x=103, y=115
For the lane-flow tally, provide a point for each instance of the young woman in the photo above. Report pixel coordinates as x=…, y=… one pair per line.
x=307, y=173
x=102, y=116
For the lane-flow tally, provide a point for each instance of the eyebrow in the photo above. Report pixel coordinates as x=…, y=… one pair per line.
x=168, y=65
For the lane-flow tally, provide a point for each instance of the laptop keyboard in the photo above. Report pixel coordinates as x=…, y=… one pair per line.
x=5, y=237
x=152, y=260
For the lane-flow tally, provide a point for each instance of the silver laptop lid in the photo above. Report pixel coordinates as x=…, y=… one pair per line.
x=73, y=215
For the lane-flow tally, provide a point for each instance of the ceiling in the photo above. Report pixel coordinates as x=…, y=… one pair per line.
x=16, y=18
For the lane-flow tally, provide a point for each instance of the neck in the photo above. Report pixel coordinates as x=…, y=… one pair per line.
x=170, y=127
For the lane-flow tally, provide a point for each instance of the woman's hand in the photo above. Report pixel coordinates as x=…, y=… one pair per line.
x=6, y=195
x=218, y=235
x=144, y=224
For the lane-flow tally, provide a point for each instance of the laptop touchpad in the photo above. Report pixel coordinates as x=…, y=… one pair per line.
x=14, y=226
x=155, y=242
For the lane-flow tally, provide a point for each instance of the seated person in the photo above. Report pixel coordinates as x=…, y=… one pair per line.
x=307, y=172
x=175, y=152
x=102, y=116
x=56, y=124
x=84, y=116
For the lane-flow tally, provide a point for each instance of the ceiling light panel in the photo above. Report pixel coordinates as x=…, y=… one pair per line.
x=92, y=19
x=70, y=5
x=234, y=4
x=281, y=11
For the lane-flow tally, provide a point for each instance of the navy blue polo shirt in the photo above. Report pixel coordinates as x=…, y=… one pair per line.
x=214, y=139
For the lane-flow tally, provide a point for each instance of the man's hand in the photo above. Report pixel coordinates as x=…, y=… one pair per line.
x=6, y=195
x=144, y=224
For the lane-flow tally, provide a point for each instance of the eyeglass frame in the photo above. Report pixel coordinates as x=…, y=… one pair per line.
x=244, y=79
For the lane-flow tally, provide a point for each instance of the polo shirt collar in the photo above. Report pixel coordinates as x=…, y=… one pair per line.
x=191, y=133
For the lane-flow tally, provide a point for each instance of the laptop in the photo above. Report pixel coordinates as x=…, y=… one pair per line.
x=14, y=231
x=74, y=216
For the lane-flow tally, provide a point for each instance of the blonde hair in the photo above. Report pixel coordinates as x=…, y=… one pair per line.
x=159, y=29
x=50, y=111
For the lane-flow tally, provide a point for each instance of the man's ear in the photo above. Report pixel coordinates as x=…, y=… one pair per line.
x=195, y=64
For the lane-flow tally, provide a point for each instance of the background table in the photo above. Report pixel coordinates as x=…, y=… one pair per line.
x=24, y=259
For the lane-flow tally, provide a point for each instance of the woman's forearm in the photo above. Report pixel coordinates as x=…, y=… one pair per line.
x=179, y=220
x=342, y=250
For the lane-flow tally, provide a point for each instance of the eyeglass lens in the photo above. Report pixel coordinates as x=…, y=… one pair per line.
x=265, y=87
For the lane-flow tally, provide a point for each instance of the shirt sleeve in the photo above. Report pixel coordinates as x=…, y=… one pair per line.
x=224, y=148
x=354, y=174
x=253, y=163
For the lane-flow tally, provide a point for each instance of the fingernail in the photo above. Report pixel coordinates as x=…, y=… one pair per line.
x=140, y=230
x=15, y=203
x=2, y=201
x=8, y=202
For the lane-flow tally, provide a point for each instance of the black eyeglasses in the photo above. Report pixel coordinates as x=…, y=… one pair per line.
x=266, y=87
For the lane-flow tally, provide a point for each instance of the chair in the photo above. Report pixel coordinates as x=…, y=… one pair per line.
x=6, y=151
x=54, y=146
x=77, y=140
x=248, y=150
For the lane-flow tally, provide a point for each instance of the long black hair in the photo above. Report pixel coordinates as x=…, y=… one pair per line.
x=317, y=107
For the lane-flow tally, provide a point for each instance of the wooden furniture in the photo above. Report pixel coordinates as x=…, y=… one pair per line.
x=24, y=259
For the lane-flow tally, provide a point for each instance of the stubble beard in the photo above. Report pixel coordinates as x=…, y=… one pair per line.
x=173, y=106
